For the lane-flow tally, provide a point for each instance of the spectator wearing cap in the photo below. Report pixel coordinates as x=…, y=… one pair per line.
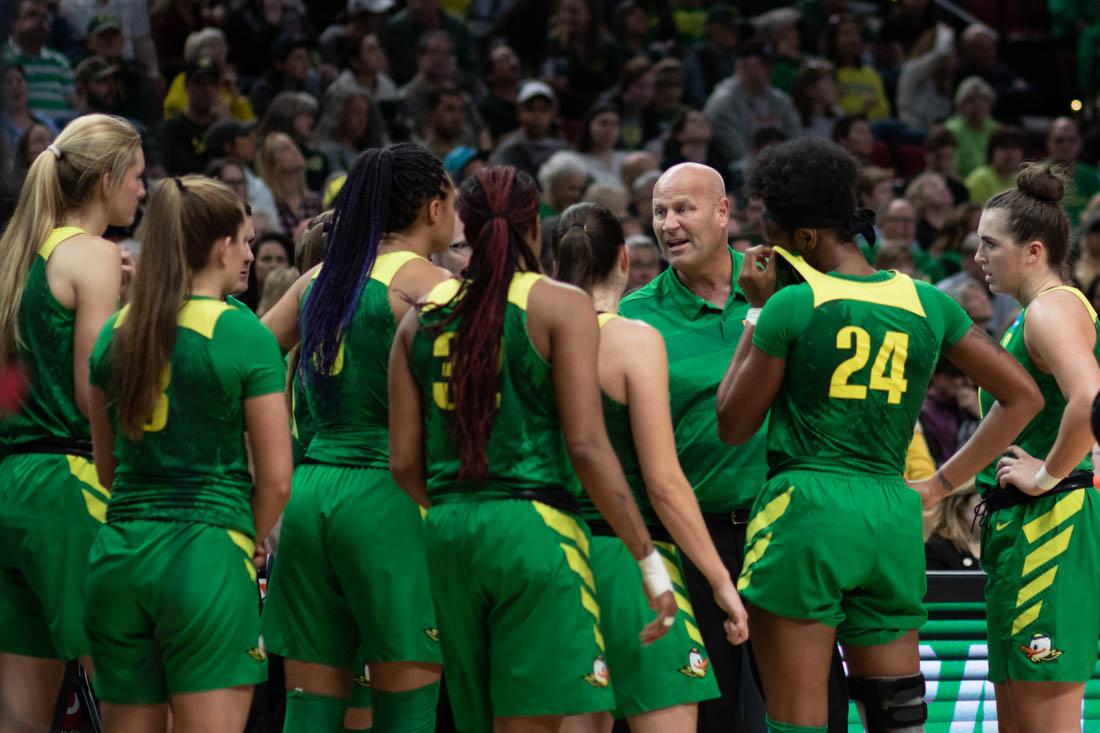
x=210, y=42
x=47, y=73
x=533, y=143
x=344, y=129
x=746, y=102
x=861, y=89
x=132, y=19
x=713, y=60
x=463, y=162
x=139, y=92
x=1064, y=148
x=235, y=142
x=252, y=27
x=418, y=18
x=1087, y=267
x=633, y=98
x=291, y=71
x=580, y=59
x=15, y=115
x=295, y=114
x=497, y=106
x=96, y=89
x=183, y=137
x=1006, y=152
x=972, y=123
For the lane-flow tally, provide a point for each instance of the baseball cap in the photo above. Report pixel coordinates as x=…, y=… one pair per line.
x=94, y=67
x=369, y=6
x=457, y=160
x=535, y=88
x=203, y=67
x=103, y=22
x=222, y=133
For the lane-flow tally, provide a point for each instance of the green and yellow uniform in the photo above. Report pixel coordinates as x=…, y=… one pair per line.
x=511, y=574
x=1040, y=557
x=350, y=581
x=674, y=670
x=173, y=605
x=835, y=536
x=51, y=503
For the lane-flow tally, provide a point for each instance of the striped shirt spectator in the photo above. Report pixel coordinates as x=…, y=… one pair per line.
x=50, y=88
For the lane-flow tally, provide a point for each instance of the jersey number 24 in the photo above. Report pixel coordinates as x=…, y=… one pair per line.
x=891, y=356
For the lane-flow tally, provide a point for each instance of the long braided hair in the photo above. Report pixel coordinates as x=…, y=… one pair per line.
x=498, y=206
x=385, y=191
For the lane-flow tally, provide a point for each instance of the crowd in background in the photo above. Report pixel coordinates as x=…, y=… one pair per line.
x=594, y=98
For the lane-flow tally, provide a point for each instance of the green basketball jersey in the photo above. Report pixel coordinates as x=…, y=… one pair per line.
x=526, y=450
x=860, y=351
x=191, y=465
x=616, y=417
x=46, y=327
x=349, y=408
x=1039, y=435
x=301, y=424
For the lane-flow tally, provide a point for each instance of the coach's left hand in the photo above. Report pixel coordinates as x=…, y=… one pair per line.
x=1018, y=469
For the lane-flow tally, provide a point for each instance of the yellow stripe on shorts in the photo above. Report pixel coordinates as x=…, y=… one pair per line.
x=243, y=541
x=1025, y=618
x=1047, y=551
x=1062, y=510
x=772, y=511
x=563, y=524
x=95, y=496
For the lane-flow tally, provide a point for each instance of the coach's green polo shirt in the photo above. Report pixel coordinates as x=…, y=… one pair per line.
x=701, y=339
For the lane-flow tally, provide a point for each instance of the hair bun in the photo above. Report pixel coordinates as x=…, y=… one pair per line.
x=1042, y=182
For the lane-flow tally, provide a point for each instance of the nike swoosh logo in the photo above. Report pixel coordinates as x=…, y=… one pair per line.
x=1002, y=525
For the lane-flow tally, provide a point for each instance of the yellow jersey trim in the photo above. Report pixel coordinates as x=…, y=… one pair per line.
x=1080, y=296
x=897, y=292
x=386, y=265
x=605, y=318
x=57, y=236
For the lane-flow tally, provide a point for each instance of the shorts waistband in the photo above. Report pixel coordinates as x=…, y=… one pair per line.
x=1010, y=496
x=554, y=496
x=601, y=528
x=54, y=446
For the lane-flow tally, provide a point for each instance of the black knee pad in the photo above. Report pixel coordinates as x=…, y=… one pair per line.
x=890, y=703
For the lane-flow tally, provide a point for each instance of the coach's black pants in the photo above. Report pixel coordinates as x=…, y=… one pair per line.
x=741, y=708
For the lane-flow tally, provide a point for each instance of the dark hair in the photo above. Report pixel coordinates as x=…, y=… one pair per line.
x=804, y=181
x=215, y=167
x=183, y=220
x=632, y=71
x=281, y=113
x=23, y=144
x=498, y=206
x=762, y=137
x=278, y=238
x=436, y=95
x=811, y=73
x=843, y=127
x=829, y=38
x=754, y=48
x=425, y=40
x=584, y=139
x=385, y=191
x=1034, y=211
x=939, y=137
x=586, y=243
x=309, y=250
x=1005, y=136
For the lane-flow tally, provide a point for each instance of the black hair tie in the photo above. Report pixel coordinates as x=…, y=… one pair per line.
x=862, y=221
x=179, y=184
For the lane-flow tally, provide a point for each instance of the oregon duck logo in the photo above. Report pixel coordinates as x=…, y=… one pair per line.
x=363, y=679
x=696, y=666
x=1040, y=649
x=257, y=653
x=432, y=634
x=600, y=677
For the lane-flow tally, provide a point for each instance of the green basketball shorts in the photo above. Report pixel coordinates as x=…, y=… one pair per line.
x=1041, y=593
x=675, y=669
x=844, y=550
x=518, y=615
x=350, y=582
x=51, y=507
x=172, y=608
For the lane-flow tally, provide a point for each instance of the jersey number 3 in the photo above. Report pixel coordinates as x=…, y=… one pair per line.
x=891, y=354
x=159, y=419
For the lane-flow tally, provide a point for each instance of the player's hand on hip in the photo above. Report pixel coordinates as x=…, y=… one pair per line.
x=737, y=625
x=930, y=489
x=757, y=278
x=1018, y=469
x=665, y=606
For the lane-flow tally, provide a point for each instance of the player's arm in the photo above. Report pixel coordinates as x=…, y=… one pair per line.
x=1018, y=401
x=573, y=336
x=406, y=416
x=643, y=351
x=754, y=377
x=103, y=438
x=96, y=276
x=282, y=319
x=1061, y=336
x=268, y=426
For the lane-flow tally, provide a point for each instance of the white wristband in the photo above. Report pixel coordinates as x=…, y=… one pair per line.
x=654, y=574
x=753, y=316
x=1044, y=480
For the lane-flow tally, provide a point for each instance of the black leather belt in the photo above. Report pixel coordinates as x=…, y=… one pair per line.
x=54, y=446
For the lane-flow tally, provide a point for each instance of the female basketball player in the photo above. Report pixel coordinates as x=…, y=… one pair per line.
x=834, y=549
x=656, y=686
x=351, y=579
x=493, y=390
x=59, y=282
x=179, y=376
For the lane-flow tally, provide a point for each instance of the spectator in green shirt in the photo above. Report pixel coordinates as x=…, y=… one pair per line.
x=972, y=123
x=1063, y=147
x=1006, y=152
